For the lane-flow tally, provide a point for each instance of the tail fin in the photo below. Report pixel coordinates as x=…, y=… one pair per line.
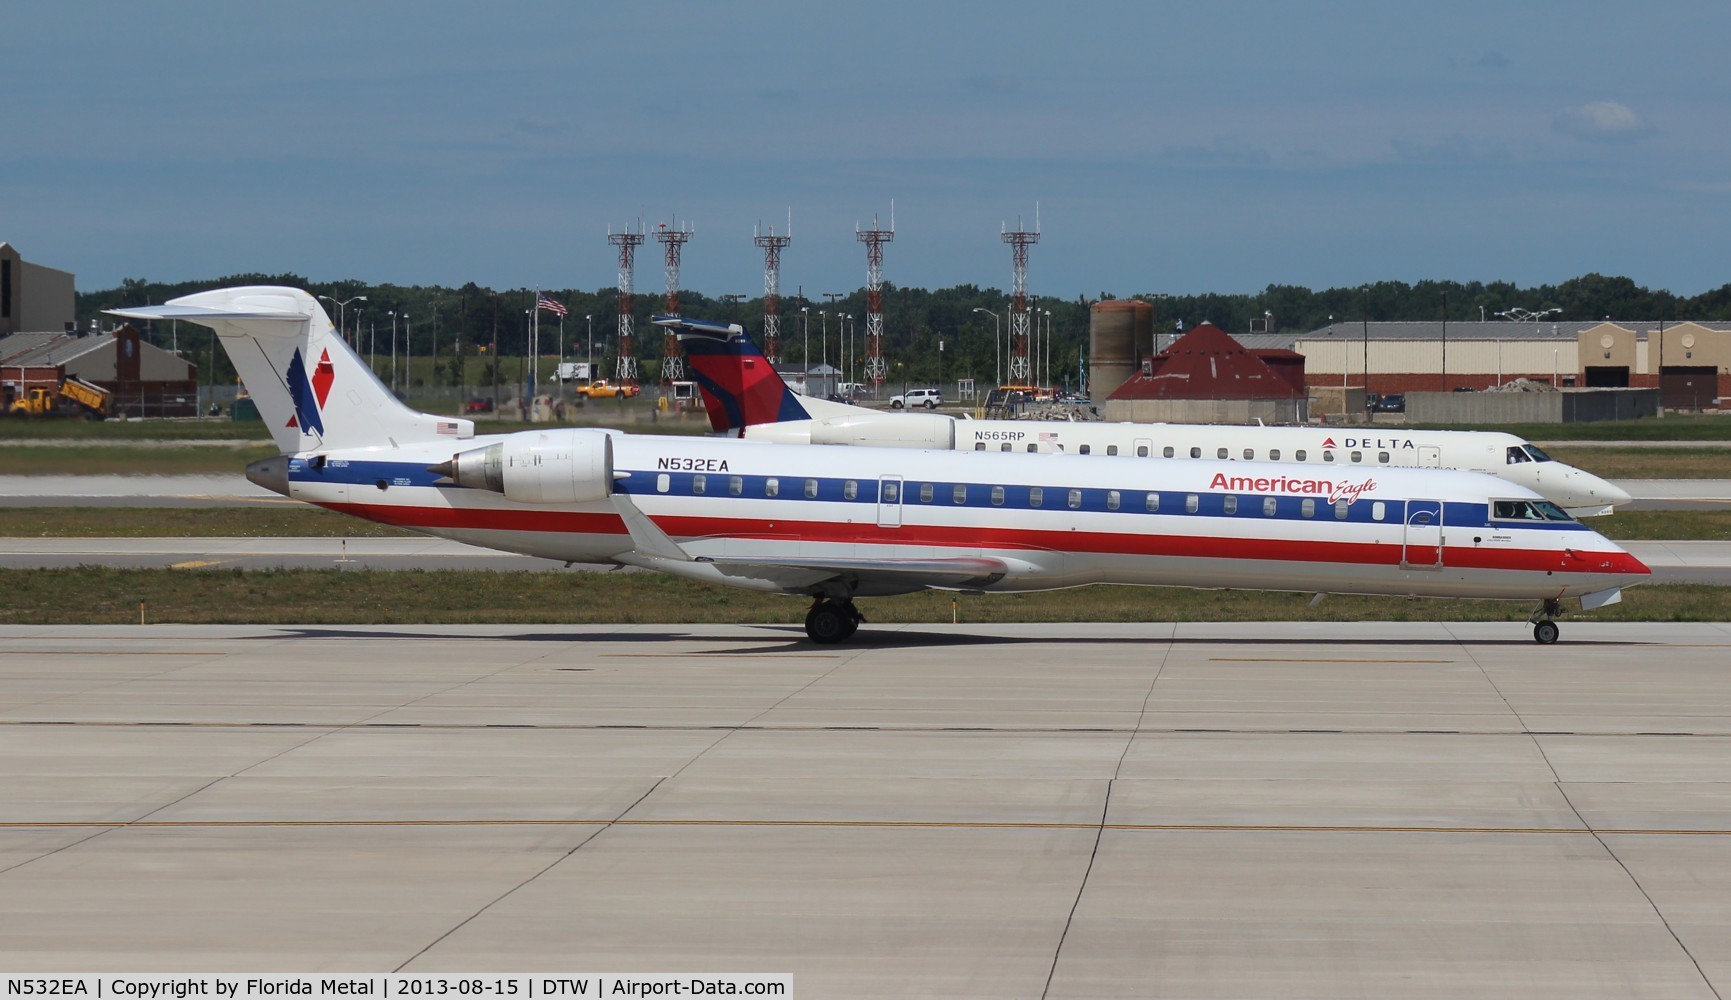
x=313, y=392
x=739, y=385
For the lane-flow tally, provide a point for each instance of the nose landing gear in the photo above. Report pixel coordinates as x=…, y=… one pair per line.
x=830, y=622
x=1545, y=630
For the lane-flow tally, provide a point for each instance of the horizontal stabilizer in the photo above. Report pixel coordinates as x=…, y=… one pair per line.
x=196, y=313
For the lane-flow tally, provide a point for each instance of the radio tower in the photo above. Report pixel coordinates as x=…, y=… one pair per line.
x=1020, y=240
x=772, y=246
x=672, y=239
x=874, y=239
x=625, y=370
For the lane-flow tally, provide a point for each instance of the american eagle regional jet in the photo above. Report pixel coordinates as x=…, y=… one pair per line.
x=746, y=398
x=837, y=524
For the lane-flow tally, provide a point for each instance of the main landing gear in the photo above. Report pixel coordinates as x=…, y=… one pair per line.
x=830, y=622
x=1545, y=630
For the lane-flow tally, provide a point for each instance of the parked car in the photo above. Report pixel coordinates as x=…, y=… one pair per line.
x=480, y=404
x=1394, y=402
x=928, y=398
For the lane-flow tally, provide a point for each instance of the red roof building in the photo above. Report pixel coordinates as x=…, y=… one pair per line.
x=1207, y=363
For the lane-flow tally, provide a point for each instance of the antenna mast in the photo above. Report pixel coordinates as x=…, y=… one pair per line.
x=672, y=239
x=625, y=369
x=1019, y=240
x=874, y=239
x=772, y=247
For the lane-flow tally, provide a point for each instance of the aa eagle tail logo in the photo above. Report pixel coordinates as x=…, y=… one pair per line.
x=310, y=394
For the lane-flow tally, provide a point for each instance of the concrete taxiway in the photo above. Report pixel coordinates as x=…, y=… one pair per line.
x=1372, y=809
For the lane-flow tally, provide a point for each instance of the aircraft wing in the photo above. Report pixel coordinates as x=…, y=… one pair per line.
x=796, y=573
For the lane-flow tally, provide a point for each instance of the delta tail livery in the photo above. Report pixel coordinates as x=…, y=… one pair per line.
x=840, y=524
x=745, y=397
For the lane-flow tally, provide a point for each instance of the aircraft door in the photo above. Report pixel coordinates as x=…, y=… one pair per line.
x=890, y=502
x=1429, y=456
x=1422, y=547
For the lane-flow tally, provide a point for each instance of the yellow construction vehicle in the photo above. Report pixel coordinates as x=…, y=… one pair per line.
x=73, y=397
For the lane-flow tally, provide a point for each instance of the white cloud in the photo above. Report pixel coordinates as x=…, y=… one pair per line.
x=1601, y=120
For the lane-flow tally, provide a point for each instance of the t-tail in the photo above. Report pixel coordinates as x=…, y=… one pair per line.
x=740, y=388
x=311, y=389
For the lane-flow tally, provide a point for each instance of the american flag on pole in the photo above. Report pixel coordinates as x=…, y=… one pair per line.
x=543, y=302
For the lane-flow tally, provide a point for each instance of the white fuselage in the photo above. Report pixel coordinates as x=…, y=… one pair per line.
x=1333, y=451
x=1051, y=521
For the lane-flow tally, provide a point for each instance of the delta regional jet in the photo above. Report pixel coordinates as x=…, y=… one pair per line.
x=838, y=524
x=745, y=397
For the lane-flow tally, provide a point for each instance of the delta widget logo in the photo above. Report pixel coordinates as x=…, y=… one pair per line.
x=310, y=394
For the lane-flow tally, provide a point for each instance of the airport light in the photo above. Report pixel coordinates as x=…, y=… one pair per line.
x=805, y=342
x=340, y=305
x=589, y=320
x=997, y=349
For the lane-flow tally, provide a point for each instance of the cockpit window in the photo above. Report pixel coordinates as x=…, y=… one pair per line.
x=1517, y=455
x=1528, y=510
x=1538, y=455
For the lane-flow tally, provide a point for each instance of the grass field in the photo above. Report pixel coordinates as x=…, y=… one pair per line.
x=1648, y=463
x=303, y=521
x=326, y=597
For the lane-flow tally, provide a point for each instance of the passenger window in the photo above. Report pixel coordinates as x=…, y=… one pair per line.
x=892, y=492
x=1298, y=456
x=1111, y=449
x=1377, y=510
x=1328, y=456
x=1340, y=510
x=1382, y=456
x=1167, y=451
x=997, y=496
x=1249, y=454
x=925, y=493
x=1307, y=508
x=1036, y=496
x=662, y=482
x=979, y=446
x=1151, y=503
x=1274, y=454
x=1230, y=504
x=1111, y=499
x=959, y=494
x=1083, y=450
x=1196, y=453
x=1357, y=457
x=849, y=490
x=771, y=487
x=1141, y=451
x=1075, y=499
x=1192, y=503
x=1268, y=505
x=735, y=486
x=699, y=483
x=811, y=489
x=1004, y=447
x=1033, y=448
x=1220, y=453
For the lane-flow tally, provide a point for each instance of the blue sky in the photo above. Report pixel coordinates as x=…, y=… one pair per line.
x=1169, y=147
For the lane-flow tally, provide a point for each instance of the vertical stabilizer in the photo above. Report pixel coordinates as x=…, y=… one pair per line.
x=311, y=389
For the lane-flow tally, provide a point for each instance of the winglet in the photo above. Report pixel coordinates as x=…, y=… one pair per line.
x=646, y=538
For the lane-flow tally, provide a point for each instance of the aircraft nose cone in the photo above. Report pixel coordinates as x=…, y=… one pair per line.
x=1613, y=494
x=270, y=473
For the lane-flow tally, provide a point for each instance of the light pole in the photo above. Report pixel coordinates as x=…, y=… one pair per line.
x=340, y=305
x=408, y=352
x=823, y=335
x=589, y=320
x=997, y=348
x=393, y=314
x=845, y=337
x=805, y=342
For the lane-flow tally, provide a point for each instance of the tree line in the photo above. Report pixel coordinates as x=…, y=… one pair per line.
x=473, y=323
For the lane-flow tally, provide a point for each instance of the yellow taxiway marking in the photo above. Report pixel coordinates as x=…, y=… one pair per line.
x=865, y=824
x=198, y=563
x=1298, y=659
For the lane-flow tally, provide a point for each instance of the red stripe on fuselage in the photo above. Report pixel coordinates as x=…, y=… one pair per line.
x=1007, y=539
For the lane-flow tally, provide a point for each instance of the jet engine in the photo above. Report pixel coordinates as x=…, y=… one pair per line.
x=569, y=465
x=887, y=430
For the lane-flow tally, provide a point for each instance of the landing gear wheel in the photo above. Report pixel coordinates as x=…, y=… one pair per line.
x=1545, y=632
x=829, y=623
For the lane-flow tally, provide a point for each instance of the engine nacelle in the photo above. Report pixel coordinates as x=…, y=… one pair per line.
x=887, y=430
x=568, y=465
